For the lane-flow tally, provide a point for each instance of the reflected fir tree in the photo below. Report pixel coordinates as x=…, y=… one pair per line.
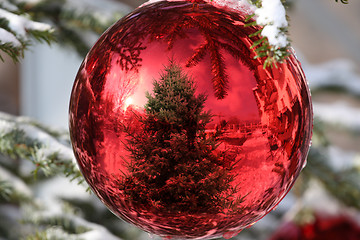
x=175, y=164
x=221, y=33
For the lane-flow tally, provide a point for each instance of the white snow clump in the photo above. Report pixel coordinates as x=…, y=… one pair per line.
x=272, y=16
x=19, y=26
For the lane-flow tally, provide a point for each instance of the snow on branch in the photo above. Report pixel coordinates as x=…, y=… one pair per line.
x=273, y=44
x=9, y=38
x=77, y=23
x=46, y=149
x=15, y=30
x=13, y=188
x=66, y=226
x=272, y=16
x=339, y=114
x=20, y=25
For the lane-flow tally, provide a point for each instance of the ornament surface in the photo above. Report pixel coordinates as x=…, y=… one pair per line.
x=179, y=130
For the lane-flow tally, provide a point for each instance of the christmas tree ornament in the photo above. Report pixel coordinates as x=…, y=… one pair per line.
x=322, y=227
x=179, y=130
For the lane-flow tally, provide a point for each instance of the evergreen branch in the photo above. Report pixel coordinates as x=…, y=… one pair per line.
x=51, y=233
x=342, y=184
x=63, y=226
x=220, y=78
x=198, y=55
x=73, y=25
x=6, y=190
x=14, y=52
x=271, y=55
x=319, y=137
x=87, y=21
x=256, y=3
x=67, y=223
x=43, y=36
x=343, y=1
x=72, y=28
x=59, y=134
x=21, y=140
x=9, y=194
x=15, y=30
x=13, y=189
x=276, y=50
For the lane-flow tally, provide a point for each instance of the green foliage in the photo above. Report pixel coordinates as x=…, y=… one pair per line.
x=67, y=223
x=51, y=234
x=263, y=49
x=18, y=144
x=14, y=52
x=69, y=26
x=343, y=1
x=10, y=193
x=6, y=190
x=175, y=165
x=342, y=184
x=23, y=32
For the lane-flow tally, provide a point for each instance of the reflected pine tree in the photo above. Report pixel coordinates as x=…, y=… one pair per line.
x=221, y=32
x=176, y=165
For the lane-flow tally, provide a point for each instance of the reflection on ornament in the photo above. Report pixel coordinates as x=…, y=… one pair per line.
x=127, y=103
x=179, y=130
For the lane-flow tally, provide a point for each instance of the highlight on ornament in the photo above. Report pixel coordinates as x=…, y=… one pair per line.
x=180, y=130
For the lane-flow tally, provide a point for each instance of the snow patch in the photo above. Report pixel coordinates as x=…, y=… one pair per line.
x=338, y=113
x=18, y=185
x=317, y=198
x=6, y=126
x=98, y=233
x=8, y=6
x=51, y=196
x=48, y=141
x=8, y=123
x=342, y=159
x=272, y=16
x=8, y=37
x=338, y=73
x=19, y=25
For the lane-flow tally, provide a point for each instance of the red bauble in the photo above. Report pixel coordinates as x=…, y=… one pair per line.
x=179, y=130
x=322, y=228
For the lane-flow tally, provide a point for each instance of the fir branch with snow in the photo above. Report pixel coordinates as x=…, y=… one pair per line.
x=274, y=43
x=21, y=139
x=74, y=24
x=16, y=30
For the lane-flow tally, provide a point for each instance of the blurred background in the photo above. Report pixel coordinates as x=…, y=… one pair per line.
x=326, y=37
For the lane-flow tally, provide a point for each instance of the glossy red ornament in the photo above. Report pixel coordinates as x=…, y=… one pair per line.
x=321, y=228
x=205, y=153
